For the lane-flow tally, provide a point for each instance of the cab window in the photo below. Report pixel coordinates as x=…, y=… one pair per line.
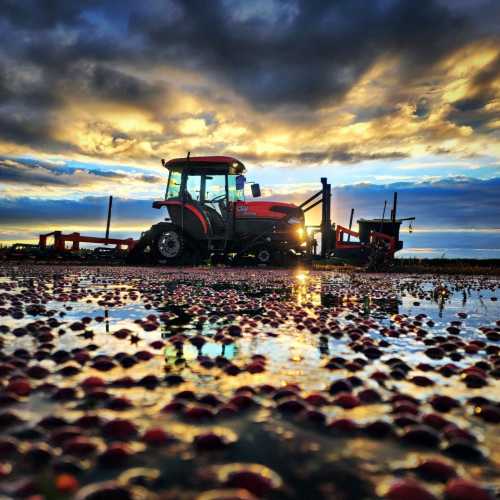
x=215, y=187
x=193, y=187
x=174, y=185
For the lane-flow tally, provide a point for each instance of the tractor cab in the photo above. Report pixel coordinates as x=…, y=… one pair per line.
x=210, y=185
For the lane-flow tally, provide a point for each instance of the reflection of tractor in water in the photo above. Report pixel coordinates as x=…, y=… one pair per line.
x=208, y=216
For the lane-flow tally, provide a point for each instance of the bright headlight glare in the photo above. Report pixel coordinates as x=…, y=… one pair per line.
x=300, y=232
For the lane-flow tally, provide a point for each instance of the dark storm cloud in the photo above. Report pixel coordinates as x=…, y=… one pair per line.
x=315, y=54
x=470, y=110
x=347, y=154
x=113, y=85
x=42, y=14
x=292, y=54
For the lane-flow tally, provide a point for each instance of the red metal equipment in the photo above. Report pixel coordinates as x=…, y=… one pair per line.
x=76, y=238
x=375, y=237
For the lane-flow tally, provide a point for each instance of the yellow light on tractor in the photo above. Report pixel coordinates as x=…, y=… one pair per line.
x=300, y=233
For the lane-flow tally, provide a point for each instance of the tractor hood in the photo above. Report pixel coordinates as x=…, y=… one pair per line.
x=268, y=210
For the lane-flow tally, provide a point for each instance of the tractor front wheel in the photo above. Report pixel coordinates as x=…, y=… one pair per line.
x=264, y=255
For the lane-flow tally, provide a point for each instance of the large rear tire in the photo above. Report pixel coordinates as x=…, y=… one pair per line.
x=168, y=245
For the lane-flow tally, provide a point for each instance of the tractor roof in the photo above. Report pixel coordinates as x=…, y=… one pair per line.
x=206, y=165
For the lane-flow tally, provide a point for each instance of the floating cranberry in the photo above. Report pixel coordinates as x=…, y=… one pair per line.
x=290, y=405
x=9, y=419
x=435, y=421
x=115, y=455
x=464, y=450
x=119, y=404
x=108, y=490
x=156, y=437
x=344, y=426
x=256, y=483
x=242, y=401
x=66, y=483
x=474, y=381
x=408, y=489
x=488, y=413
x=347, y=401
x=149, y=382
x=378, y=429
x=37, y=372
x=405, y=420
x=422, y=381
x=462, y=489
x=79, y=446
x=209, y=441
x=435, y=353
x=435, y=470
x=119, y=429
x=92, y=383
x=20, y=387
x=198, y=413
x=369, y=396
x=421, y=435
x=340, y=385
x=443, y=403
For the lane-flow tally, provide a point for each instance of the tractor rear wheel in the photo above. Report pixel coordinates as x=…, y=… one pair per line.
x=168, y=244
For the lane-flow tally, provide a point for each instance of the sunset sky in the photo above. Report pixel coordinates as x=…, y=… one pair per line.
x=376, y=95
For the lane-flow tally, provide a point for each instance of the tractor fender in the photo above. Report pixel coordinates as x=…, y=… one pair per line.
x=187, y=216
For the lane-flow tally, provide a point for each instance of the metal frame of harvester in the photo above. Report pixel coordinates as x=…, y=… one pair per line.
x=378, y=239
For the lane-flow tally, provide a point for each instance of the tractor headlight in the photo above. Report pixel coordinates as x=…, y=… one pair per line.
x=300, y=233
x=294, y=220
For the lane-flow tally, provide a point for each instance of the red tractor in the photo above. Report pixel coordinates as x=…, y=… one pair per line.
x=208, y=216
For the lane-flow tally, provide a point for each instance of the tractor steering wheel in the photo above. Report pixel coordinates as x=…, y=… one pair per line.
x=217, y=198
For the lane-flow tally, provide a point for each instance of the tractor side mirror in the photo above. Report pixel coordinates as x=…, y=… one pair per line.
x=256, y=191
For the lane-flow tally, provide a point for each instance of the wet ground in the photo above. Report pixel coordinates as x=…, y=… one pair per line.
x=242, y=384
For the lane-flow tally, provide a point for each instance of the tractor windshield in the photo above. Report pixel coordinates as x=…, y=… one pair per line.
x=174, y=185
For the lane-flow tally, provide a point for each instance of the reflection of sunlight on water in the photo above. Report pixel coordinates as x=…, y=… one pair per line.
x=306, y=289
x=189, y=352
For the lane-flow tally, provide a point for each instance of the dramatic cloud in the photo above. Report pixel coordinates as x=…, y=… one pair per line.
x=264, y=79
x=32, y=176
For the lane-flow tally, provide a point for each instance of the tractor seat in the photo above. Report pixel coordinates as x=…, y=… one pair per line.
x=215, y=219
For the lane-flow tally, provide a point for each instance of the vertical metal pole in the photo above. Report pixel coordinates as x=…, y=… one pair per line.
x=110, y=205
x=394, y=206
x=325, y=217
x=350, y=224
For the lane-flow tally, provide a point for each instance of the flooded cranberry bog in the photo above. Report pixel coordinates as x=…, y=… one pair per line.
x=212, y=384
